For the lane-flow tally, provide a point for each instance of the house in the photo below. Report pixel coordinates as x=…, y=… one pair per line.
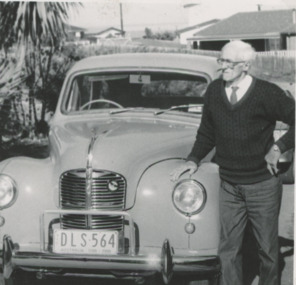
x=265, y=30
x=188, y=32
x=74, y=33
x=97, y=34
x=289, y=36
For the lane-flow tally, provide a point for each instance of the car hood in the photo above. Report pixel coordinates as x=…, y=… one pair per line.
x=125, y=146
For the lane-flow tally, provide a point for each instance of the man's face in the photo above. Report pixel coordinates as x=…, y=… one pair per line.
x=232, y=66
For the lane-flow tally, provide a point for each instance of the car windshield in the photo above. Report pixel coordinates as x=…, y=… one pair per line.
x=157, y=90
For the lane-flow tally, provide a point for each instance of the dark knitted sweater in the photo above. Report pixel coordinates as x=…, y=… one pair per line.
x=243, y=133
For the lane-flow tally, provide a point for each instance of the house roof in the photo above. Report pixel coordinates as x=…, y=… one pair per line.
x=99, y=31
x=198, y=26
x=290, y=29
x=249, y=25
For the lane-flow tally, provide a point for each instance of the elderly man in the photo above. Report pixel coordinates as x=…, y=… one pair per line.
x=239, y=117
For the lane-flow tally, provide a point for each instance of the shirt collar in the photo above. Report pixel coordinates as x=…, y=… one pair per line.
x=244, y=83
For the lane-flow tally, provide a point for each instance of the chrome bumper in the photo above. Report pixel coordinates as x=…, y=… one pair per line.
x=166, y=263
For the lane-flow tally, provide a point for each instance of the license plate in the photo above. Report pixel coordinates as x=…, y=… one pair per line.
x=85, y=242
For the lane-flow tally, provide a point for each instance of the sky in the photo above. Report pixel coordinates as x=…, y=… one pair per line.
x=160, y=15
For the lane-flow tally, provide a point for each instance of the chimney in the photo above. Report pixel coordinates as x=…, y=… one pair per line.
x=259, y=7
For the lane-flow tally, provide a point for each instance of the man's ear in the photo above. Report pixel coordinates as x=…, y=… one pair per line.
x=246, y=66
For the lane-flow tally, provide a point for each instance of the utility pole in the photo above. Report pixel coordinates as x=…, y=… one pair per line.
x=121, y=19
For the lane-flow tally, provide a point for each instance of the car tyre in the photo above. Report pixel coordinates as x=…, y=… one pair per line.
x=153, y=280
x=210, y=281
x=18, y=278
x=203, y=282
x=13, y=280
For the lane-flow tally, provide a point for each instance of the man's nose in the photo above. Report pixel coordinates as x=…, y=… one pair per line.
x=225, y=65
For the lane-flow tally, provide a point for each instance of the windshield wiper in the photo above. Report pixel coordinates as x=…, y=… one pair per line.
x=179, y=107
x=125, y=110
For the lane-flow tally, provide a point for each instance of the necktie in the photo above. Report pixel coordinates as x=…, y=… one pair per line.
x=233, y=95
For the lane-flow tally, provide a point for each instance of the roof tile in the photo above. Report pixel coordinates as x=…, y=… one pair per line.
x=246, y=23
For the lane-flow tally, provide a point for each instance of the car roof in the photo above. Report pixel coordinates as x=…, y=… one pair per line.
x=189, y=62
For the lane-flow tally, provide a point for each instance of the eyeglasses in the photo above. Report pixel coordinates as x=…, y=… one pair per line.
x=228, y=63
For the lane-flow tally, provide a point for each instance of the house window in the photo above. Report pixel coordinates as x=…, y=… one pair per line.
x=273, y=44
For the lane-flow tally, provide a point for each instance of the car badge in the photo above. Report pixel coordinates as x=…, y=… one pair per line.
x=113, y=185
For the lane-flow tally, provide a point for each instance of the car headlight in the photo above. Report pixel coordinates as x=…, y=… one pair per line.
x=7, y=191
x=189, y=197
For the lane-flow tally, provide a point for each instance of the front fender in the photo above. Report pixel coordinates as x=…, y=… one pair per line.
x=37, y=189
x=158, y=219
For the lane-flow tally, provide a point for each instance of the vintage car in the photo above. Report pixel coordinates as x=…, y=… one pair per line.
x=103, y=204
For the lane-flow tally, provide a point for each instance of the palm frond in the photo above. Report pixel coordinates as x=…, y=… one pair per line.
x=32, y=21
x=11, y=75
x=28, y=23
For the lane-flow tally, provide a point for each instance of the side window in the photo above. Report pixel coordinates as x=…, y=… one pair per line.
x=74, y=98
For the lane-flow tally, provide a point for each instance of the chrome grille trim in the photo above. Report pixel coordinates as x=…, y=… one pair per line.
x=89, y=171
x=72, y=190
x=73, y=196
x=95, y=222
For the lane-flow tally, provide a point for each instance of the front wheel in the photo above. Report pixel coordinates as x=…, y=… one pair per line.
x=19, y=278
x=152, y=280
x=203, y=282
x=210, y=281
x=12, y=281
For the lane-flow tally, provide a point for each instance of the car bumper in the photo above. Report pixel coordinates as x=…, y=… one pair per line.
x=134, y=265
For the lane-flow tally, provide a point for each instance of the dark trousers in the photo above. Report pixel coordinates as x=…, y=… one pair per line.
x=259, y=204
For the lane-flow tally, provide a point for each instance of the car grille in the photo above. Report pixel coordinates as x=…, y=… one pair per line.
x=107, y=193
x=96, y=222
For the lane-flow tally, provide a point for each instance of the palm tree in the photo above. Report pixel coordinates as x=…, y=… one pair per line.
x=26, y=26
x=28, y=23
x=31, y=21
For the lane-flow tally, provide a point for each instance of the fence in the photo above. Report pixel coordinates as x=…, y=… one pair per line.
x=285, y=53
x=278, y=65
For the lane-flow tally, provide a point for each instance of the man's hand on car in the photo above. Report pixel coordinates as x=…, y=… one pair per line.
x=186, y=166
